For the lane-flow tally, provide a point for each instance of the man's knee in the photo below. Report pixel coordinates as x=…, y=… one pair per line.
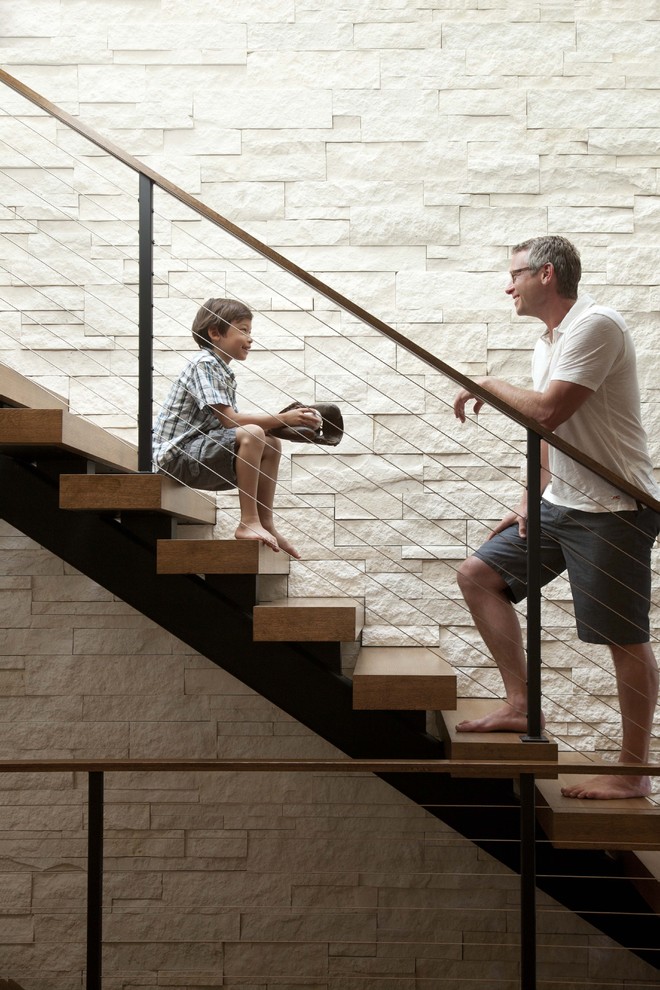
x=474, y=576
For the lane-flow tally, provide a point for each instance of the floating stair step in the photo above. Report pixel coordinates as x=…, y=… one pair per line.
x=308, y=620
x=219, y=557
x=16, y=390
x=137, y=493
x=571, y=823
x=35, y=432
x=493, y=746
x=402, y=678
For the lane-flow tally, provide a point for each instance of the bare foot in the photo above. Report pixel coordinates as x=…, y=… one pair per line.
x=256, y=531
x=609, y=788
x=504, y=719
x=284, y=544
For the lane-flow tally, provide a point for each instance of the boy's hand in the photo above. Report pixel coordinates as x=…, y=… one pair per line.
x=302, y=416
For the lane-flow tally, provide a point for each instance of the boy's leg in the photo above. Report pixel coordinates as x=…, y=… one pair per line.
x=270, y=463
x=251, y=446
x=257, y=464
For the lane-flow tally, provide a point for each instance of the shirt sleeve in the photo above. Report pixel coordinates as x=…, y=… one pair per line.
x=590, y=351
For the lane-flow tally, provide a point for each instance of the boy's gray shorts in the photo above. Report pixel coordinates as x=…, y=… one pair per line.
x=608, y=559
x=207, y=462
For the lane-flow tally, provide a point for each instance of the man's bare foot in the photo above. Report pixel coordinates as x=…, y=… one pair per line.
x=503, y=719
x=609, y=788
x=256, y=531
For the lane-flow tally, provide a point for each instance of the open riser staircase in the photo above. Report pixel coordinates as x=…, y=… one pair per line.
x=75, y=489
x=118, y=527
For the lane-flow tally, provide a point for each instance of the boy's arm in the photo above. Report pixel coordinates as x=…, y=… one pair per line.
x=301, y=416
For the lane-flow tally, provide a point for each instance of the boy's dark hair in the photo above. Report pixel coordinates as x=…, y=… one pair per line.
x=217, y=313
x=564, y=256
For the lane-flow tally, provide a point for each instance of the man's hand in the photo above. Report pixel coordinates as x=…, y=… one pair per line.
x=462, y=399
x=518, y=515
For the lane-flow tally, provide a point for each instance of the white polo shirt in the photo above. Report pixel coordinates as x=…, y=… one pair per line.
x=592, y=347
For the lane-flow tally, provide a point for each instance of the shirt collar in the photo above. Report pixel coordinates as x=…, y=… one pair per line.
x=577, y=309
x=223, y=364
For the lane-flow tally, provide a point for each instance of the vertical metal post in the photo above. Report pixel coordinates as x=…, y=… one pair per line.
x=146, y=323
x=527, y=883
x=533, y=588
x=534, y=732
x=94, y=881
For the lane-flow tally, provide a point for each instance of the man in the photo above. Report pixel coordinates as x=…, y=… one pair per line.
x=585, y=389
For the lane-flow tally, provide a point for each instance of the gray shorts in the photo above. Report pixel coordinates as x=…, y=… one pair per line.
x=608, y=559
x=207, y=462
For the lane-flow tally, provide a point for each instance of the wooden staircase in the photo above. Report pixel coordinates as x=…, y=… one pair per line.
x=97, y=476
x=633, y=823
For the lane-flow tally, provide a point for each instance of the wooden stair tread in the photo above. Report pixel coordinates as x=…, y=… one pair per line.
x=488, y=745
x=28, y=432
x=571, y=823
x=17, y=390
x=311, y=620
x=135, y=492
x=219, y=557
x=402, y=678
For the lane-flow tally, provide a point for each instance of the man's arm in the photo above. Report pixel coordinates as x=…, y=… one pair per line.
x=550, y=408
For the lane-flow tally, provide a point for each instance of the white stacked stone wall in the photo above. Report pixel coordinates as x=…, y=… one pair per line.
x=396, y=151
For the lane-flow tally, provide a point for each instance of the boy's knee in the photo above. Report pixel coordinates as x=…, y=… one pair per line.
x=250, y=433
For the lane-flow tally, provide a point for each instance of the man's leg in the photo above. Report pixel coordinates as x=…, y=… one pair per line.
x=486, y=595
x=250, y=445
x=637, y=683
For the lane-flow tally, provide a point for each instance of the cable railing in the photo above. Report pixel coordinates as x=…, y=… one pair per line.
x=393, y=599
x=404, y=595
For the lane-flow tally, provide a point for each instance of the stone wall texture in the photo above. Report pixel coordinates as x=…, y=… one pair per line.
x=396, y=150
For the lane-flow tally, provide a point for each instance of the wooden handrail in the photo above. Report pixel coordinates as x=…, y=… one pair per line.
x=499, y=768
x=342, y=301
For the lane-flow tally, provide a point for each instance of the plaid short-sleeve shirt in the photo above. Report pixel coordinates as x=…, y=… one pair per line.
x=205, y=382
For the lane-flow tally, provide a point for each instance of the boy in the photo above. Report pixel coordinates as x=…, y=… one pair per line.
x=202, y=440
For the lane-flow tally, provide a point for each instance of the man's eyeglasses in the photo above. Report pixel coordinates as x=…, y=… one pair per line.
x=517, y=272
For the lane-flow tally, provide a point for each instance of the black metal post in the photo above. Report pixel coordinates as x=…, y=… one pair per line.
x=534, y=733
x=94, y=881
x=527, y=883
x=146, y=324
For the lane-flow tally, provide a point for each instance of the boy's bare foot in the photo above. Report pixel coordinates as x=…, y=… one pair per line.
x=609, y=788
x=256, y=532
x=284, y=544
x=503, y=719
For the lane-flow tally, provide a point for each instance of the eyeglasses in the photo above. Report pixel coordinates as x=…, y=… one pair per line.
x=517, y=272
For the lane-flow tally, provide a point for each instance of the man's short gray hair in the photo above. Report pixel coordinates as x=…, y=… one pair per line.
x=565, y=260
